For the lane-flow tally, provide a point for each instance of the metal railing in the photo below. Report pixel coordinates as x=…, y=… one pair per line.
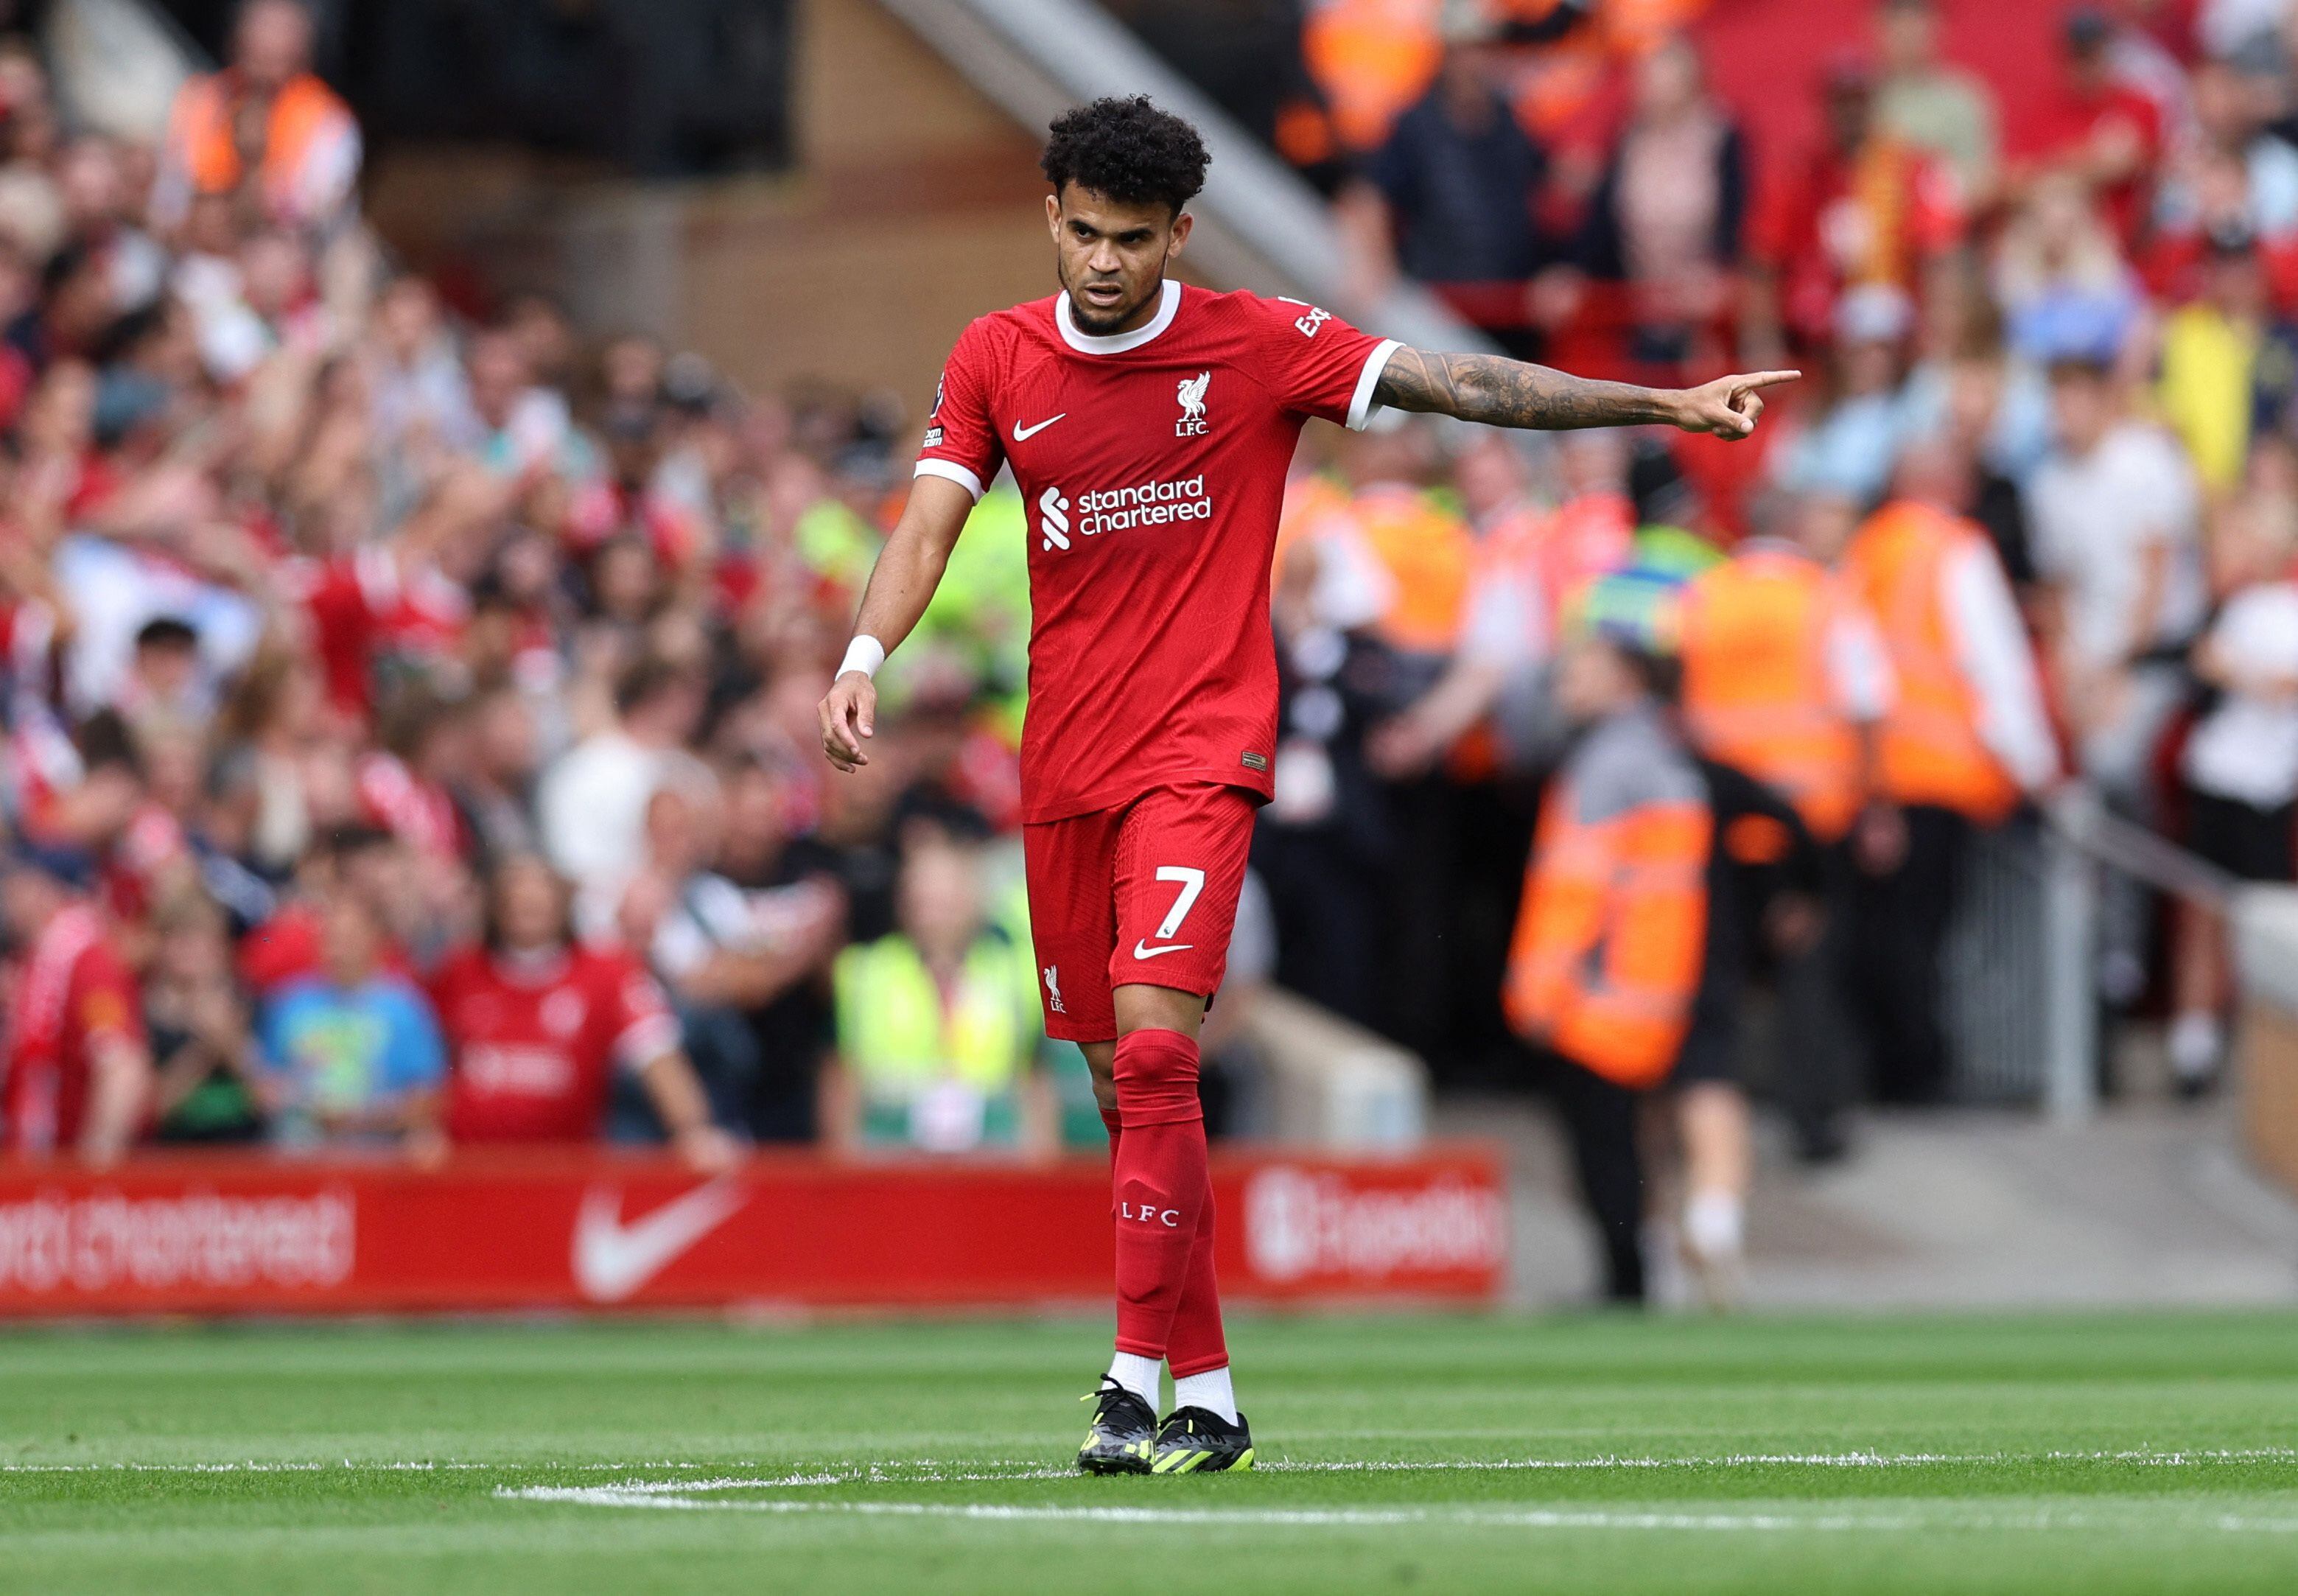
x=2021, y=962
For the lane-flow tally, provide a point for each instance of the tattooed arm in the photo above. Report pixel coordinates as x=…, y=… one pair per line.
x=1504, y=392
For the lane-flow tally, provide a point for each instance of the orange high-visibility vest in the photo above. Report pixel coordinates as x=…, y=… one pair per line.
x=1758, y=693
x=1610, y=944
x=203, y=140
x=1931, y=751
x=1427, y=552
x=1372, y=59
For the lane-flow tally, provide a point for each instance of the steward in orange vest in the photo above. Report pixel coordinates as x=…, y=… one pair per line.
x=1627, y=962
x=1610, y=944
x=1764, y=637
x=1965, y=735
x=265, y=128
x=1931, y=750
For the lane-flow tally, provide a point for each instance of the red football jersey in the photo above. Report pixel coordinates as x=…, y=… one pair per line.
x=1152, y=464
x=73, y=994
x=533, y=1047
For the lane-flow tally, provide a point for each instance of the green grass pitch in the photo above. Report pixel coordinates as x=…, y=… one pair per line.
x=2076, y=1453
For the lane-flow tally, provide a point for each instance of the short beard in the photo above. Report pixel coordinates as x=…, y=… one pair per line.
x=1096, y=326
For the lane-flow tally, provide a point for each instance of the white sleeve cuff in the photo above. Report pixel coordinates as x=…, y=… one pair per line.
x=1361, y=404
x=646, y=1040
x=951, y=469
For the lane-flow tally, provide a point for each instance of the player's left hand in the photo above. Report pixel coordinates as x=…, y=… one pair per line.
x=1729, y=406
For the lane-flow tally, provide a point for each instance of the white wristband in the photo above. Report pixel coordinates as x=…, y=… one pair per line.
x=865, y=654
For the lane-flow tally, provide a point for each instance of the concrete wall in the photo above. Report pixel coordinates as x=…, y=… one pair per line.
x=914, y=207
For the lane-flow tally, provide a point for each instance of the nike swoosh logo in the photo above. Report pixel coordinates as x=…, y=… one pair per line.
x=1142, y=950
x=613, y=1260
x=1022, y=434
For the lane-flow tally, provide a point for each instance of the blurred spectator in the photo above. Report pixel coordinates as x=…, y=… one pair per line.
x=2118, y=541
x=735, y=960
x=2229, y=365
x=537, y=1027
x=1605, y=968
x=78, y=1071
x=264, y=132
x=1933, y=105
x=1865, y=209
x=1966, y=737
x=1448, y=196
x=2095, y=125
x=362, y=860
x=1668, y=218
x=937, y=1025
x=2060, y=277
x=352, y=1055
x=1371, y=58
x=208, y=1086
x=1850, y=447
x=2240, y=764
x=1785, y=681
x=592, y=802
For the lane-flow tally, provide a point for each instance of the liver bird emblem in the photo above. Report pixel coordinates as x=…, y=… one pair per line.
x=1193, y=395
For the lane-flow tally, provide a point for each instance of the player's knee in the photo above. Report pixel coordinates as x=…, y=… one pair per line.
x=1156, y=1077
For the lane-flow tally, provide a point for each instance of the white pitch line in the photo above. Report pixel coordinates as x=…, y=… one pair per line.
x=934, y=1471
x=643, y=1495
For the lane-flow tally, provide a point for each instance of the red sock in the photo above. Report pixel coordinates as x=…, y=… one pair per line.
x=1197, y=1345
x=1160, y=1176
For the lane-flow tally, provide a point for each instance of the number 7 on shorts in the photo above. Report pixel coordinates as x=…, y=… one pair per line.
x=1192, y=881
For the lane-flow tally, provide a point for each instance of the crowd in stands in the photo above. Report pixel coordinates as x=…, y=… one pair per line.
x=2030, y=521
x=410, y=709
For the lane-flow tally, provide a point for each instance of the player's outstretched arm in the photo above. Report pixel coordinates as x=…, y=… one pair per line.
x=1504, y=392
x=901, y=583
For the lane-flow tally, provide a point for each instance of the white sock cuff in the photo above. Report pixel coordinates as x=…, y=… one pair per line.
x=1137, y=1375
x=1212, y=1391
x=1715, y=1223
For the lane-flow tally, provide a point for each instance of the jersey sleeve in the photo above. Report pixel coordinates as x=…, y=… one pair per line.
x=960, y=441
x=1320, y=365
x=640, y=1025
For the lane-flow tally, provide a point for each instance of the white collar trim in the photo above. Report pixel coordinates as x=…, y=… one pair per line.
x=1117, y=344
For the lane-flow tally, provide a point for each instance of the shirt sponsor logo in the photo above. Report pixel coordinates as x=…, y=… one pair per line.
x=1054, y=519
x=1307, y=325
x=516, y=1069
x=1192, y=395
x=933, y=438
x=1120, y=509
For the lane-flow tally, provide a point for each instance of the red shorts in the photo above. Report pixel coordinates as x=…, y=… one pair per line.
x=1144, y=894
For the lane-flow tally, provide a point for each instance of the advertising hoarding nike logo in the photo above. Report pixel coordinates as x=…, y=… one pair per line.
x=613, y=1260
x=1022, y=434
x=1142, y=950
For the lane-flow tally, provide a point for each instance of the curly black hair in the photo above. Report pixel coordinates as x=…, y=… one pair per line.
x=1126, y=149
